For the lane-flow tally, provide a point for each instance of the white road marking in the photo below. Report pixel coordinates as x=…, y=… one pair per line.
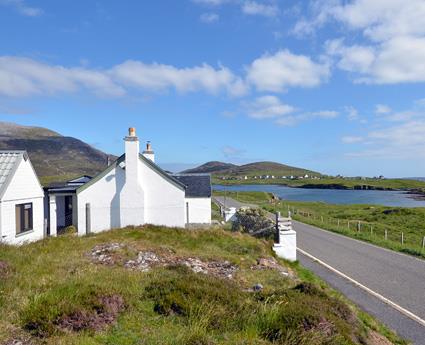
x=402, y=310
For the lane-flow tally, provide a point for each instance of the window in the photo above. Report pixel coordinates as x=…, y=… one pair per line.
x=23, y=214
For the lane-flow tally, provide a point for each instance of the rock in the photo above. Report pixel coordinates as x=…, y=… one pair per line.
x=270, y=264
x=145, y=260
x=104, y=253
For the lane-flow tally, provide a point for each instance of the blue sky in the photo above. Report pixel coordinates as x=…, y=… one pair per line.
x=334, y=86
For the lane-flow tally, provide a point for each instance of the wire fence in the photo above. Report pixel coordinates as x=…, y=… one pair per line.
x=397, y=238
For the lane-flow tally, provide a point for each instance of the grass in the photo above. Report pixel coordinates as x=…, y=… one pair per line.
x=374, y=220
x=53, y=278
x=47, y=180
x=335, y=183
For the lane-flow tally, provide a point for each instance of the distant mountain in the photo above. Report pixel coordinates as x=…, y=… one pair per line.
x=258, y=168
x=212, y=167
x=51, y=153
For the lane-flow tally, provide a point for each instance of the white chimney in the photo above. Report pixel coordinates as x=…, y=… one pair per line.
x=148, y=153
x=131, y=156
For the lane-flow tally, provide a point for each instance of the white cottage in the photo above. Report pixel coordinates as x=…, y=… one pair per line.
x=131, y=191
x=21, y=199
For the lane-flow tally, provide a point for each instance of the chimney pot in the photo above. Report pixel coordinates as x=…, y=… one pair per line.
x=132, y=132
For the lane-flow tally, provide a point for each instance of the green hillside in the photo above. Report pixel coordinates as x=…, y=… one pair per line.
x=156, y=285
x=251, y=169
x=54, y=156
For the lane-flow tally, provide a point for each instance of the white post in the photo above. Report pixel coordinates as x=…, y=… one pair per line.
x=53, y=216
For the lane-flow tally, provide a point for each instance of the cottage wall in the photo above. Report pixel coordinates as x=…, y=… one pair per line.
x=164, y=201
x=23, y=188
x=199, y=210
x=104, y=199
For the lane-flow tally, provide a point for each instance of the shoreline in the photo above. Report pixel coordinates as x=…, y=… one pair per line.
x=414, y=194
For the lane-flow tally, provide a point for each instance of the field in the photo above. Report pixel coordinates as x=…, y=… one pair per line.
x=383, y=226
x=335, y=183
x=138, y=286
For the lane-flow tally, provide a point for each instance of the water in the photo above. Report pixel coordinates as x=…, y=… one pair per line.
x=332, y=196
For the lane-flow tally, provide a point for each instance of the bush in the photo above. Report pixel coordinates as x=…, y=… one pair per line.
x=251, y=220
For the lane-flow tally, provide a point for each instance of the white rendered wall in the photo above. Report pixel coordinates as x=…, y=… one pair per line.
x=199, y=210
x=164, y=201
x=104, y=199
x=287, y=246
x=23, y=188
x=161, y=202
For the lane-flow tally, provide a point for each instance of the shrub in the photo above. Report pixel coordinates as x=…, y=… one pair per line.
x=251, y=220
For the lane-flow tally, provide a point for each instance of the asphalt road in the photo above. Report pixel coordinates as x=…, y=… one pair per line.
x=397, y=277
x=229, y=202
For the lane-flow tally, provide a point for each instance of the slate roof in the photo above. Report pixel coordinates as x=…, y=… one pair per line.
x=9, y=161
x=197, y=185
x=67, y=187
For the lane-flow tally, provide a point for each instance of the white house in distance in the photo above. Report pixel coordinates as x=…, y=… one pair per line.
x=21, y=199
x=131, y=191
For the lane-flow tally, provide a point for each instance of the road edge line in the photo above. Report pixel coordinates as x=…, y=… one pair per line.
x=399, y=308
x=363, y=242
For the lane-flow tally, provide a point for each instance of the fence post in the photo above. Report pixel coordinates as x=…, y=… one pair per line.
x=386, y=234
x=348, y=225
x=321, y=218
x=371, y=230
x=423, y=242
x=276, y=233
x=402, y=237
x=338, y=223
x=359, y=225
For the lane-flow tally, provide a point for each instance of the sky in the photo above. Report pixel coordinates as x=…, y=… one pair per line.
x=332, y=86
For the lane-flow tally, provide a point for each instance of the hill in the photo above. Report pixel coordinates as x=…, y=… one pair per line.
x=157, y=285
x=258, y=168
x=54, y=156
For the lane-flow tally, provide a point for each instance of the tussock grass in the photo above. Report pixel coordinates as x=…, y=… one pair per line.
x=56, y=278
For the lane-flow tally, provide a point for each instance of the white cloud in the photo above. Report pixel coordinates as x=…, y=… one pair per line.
x=383, y=19
x=394, y=29
x=282, y=70
x=382, y=109
x=404, y=139
x=351, y=139
x=22, y=7
x=295, y=119
x=352, y=113
x=209, y=17
x=25, y=77
x=354, y=59
x=325, y=114
x=399, y=60
x=20, y=77
x=160, y=77
x=262, y=9
x=266, y=107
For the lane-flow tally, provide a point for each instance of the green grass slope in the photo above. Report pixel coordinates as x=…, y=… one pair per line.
x=53, y=292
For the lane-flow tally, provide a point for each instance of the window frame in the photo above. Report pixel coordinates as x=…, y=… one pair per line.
x=22, y=208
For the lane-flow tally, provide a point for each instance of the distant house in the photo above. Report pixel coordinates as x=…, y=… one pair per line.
x=21, y=199
x=131, y=191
